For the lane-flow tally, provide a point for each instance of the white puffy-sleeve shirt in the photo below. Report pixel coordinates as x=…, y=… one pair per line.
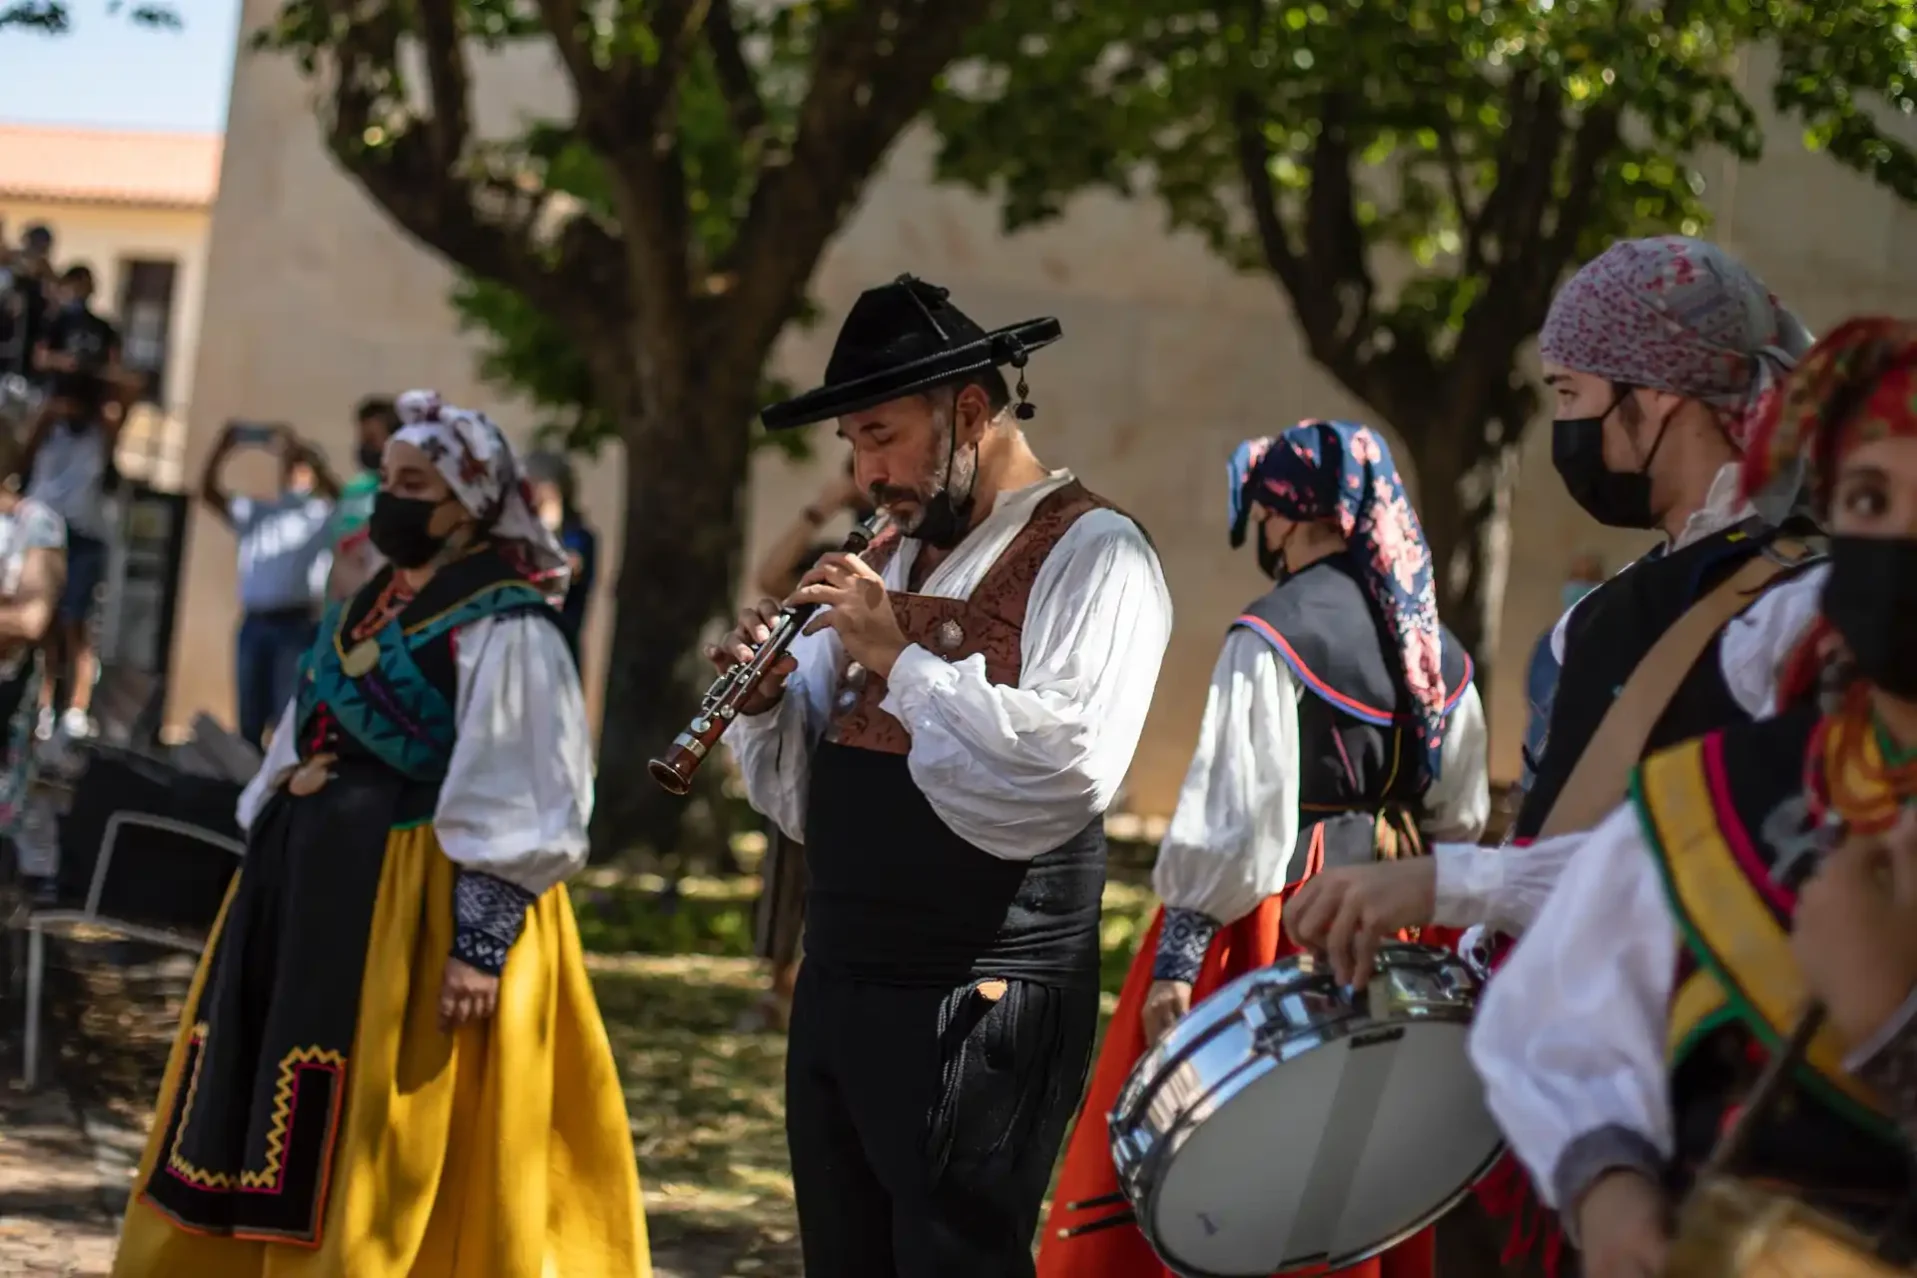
x=518, y=793
x=1504, y=888
x=1012, y=770
x=1235, y=830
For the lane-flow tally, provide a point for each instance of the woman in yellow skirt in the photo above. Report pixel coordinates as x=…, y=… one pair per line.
x=391, y=1064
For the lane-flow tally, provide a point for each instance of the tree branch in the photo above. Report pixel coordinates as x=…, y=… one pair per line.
x=736, y=80
x=411, y=167
x=1334, y=242
x=873, y=72
x=1468, y=220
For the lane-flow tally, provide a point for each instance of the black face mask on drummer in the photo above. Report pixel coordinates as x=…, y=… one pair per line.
x=1613, y=498
x=401, y=529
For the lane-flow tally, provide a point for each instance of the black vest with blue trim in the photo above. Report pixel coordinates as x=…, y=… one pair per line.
x=1358, y=757
x=1613, y=629
x=393, y=697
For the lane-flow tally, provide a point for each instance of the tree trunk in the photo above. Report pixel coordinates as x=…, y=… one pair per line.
x=685, y=477
x=1467, y=479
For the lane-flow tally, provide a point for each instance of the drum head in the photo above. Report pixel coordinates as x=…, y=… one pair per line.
x=1328, y=1157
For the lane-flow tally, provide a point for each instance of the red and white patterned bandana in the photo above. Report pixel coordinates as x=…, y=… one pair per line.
x=1678, y=315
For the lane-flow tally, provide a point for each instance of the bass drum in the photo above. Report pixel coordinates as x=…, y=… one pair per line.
x=1286, y=1123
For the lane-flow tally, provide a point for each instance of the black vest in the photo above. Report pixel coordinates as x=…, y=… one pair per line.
x=1612, y=630
x=1358, y=757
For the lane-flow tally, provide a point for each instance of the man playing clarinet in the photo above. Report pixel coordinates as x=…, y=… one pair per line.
x=945, y=739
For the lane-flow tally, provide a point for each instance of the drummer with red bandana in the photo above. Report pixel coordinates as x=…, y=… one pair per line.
x=1341, y=727
x=1753, y=870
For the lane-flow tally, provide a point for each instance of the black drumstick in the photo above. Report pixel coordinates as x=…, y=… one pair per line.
x=1085, y=1204
x=1103, y=1222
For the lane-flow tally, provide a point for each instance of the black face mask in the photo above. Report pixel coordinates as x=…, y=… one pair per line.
x=1271, y=561
x=944, y=519
x=1871, y=599
x=370, y=456
x=1613, y=499
x=400, y=528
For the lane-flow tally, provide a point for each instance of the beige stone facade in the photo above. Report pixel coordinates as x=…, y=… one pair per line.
x=313, y=299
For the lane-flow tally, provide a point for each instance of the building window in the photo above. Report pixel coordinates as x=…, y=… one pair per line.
x=146, y=319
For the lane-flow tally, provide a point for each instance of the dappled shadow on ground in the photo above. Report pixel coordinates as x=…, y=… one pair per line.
x=705, y=1096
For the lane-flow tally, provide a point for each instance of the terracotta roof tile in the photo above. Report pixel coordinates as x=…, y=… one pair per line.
x=177, y=170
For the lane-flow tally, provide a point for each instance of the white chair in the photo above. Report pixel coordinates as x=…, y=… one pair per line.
x=40, y=922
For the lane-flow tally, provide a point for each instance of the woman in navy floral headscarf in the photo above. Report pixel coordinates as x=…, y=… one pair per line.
x=1335, y=704
x=1344, y=473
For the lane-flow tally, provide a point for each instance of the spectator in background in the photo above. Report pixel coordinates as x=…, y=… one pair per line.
x=284, y=557
x=555, y=500
x=354, y=558
x=75, y=339
x=68, y=462
x=25, y=294
x=32, y=570
x=1541, y=676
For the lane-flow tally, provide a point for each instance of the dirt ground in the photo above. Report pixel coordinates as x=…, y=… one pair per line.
x=704, y=1100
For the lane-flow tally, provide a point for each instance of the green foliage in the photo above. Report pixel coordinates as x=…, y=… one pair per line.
x=1443, y=105
x=1418, y=175
x=53, y=17
x=525, y=352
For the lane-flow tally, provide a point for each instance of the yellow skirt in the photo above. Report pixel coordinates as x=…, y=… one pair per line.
x=500, y=1151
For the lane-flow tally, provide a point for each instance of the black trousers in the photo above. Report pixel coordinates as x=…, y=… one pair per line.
x=924, y=1123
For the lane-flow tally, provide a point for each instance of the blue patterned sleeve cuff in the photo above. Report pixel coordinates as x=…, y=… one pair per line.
x=1182, y=943
x=488, y=915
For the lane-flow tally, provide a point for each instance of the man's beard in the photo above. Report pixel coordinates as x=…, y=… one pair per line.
x=943, y=519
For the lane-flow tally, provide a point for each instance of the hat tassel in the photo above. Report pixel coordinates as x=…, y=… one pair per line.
x=1025, y=410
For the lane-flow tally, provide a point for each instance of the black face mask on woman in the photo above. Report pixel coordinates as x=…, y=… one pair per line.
x=1614, y=499
x=400, y=528
x=1870, y=598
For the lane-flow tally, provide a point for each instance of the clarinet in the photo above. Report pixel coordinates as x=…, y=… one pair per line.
x=673, y=769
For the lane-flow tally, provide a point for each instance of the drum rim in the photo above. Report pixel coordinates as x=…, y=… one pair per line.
x=1292, y=967
x=1139, y=1175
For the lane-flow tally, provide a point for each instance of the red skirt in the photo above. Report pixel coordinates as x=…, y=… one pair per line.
x=1255, y=941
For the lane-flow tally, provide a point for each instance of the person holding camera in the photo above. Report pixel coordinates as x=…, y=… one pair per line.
x=285, y=554
x=68, y=464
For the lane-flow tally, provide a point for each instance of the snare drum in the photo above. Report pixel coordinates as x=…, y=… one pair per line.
x=1285, y=1123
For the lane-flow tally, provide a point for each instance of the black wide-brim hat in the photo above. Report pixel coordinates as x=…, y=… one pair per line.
x=902, y=338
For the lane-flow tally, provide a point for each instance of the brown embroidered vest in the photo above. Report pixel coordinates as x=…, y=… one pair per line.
x=990, y=623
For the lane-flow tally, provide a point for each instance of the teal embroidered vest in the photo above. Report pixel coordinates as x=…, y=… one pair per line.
x=394, y=693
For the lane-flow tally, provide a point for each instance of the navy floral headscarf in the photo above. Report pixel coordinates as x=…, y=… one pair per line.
x=1343, y=472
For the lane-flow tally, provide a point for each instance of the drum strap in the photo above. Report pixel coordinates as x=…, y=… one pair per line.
x=1602, y=775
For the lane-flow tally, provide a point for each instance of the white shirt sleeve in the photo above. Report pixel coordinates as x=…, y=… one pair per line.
x=1232, y=835
x=774, y=750
x=1758, y=640
x=282, y=754
x=518, y=793
x=1502, y=888
x=1570, y=1036
x=1017, y=771
x=1458, y=803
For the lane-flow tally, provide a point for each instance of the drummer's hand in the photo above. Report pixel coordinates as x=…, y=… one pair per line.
x=754, y=628
x=1855, y=931
x=1348, y=912
x=1621, y=1227
x=466, y=995
x=1165, y=1005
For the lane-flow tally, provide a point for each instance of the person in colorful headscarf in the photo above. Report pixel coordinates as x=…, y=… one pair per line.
x=1660, y=354
x=1341, y=727
x=390, y=1063
x=1753, y=870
